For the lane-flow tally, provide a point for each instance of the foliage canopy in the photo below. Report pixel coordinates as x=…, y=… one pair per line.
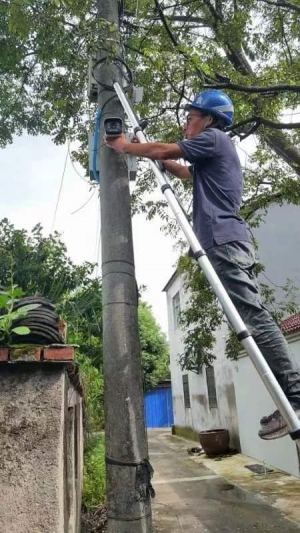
x=249, y=48
x=40, y=264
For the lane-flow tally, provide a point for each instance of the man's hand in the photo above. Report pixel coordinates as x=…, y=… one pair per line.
x=153, y=150
x=118, y=144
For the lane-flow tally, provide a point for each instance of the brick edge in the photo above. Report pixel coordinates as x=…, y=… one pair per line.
x=38, y=354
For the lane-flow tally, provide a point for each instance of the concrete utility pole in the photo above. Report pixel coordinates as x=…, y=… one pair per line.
x=127, y=467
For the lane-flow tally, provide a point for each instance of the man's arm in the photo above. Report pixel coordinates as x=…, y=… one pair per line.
x=156, y=151
x=180, y=171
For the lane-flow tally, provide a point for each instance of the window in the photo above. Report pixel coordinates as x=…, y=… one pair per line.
x=193, y=357
x=211, y=387
x=186, y=391
x=176, y=310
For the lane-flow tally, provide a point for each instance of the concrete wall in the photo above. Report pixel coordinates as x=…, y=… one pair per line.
x=41, y=449
x=253, y=401
x=200, y=416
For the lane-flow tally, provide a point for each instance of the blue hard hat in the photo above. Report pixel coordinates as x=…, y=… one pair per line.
x=215, y=103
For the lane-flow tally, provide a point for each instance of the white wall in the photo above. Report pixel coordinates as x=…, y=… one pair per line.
x=253, y=402
x=279, y=247
x=238, y=383
x=200, y=416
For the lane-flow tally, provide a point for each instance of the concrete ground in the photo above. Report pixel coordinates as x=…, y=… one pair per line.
x=192, y=497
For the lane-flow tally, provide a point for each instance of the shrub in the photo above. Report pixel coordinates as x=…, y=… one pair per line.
x=94, y=472
x=92, y=383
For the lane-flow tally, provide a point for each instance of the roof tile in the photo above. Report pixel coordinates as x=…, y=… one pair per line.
x=291, y=324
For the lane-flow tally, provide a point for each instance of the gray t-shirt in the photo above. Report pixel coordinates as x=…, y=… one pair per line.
x=217, y=188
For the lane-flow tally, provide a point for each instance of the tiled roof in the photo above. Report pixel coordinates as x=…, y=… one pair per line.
x=291, y=324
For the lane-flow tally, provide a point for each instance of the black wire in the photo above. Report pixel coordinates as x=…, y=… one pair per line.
x=114, y=60
x=121, y=10
x=107, y=101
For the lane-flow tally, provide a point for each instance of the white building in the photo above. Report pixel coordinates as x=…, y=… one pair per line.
x=230, y=394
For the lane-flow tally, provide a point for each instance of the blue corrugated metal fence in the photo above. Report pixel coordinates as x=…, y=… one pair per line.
x=159, y=408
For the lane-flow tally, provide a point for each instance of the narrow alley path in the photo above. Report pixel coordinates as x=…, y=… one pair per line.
x=190, y=497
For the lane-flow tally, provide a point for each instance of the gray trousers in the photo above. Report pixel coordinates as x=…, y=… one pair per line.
x=234, y=263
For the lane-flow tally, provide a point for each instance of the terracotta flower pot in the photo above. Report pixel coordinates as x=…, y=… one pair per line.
x=215, y=441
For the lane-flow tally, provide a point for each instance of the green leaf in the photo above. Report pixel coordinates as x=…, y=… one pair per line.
x=22, y=311
x=18, y=292
x=3, y=300
x=12, y=316
x=21, y=330
x=29, y=307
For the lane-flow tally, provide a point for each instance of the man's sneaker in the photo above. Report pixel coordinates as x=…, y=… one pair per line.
x=273, y=426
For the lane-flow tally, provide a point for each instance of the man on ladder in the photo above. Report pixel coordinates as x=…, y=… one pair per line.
x=217, y=194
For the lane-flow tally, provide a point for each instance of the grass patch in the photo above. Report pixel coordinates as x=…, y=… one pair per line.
x=94, y=472
x=186, y=432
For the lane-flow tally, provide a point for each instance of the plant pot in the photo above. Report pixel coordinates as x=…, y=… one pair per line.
x=215, y=441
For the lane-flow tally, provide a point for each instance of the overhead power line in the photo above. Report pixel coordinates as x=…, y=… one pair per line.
x=88, y=200
x=72, y=163
x=60, y=188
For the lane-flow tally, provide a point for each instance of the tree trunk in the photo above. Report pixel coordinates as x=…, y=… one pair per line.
x=277, y=140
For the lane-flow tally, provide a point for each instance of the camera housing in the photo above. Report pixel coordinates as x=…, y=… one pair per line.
x=113, y=126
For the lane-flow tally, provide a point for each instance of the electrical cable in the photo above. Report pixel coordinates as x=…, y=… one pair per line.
x=98, y=254
x=115, y=60
x=125, y=89
x=95, y=147
x=88, y=200
x=60, y=188
x=104, y=86
x=98, y=240
x=282, y=287
x=97, y=233
x=96, y=140
x=78, y=173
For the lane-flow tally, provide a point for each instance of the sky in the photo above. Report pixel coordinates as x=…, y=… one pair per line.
x=32, y=169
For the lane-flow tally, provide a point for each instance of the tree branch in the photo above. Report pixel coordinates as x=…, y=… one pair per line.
x=213, y=11
x=184, y=18
x=289, y=57
x=259, y=121
x=182, y=95
x=164, y=21
x=70, y=24
x=275, y=139
x=284, y=149
x=200, y=73
x=267, y=90
x=140, y=52
x=262, y=201
x=182, y=4
x=283, y=3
